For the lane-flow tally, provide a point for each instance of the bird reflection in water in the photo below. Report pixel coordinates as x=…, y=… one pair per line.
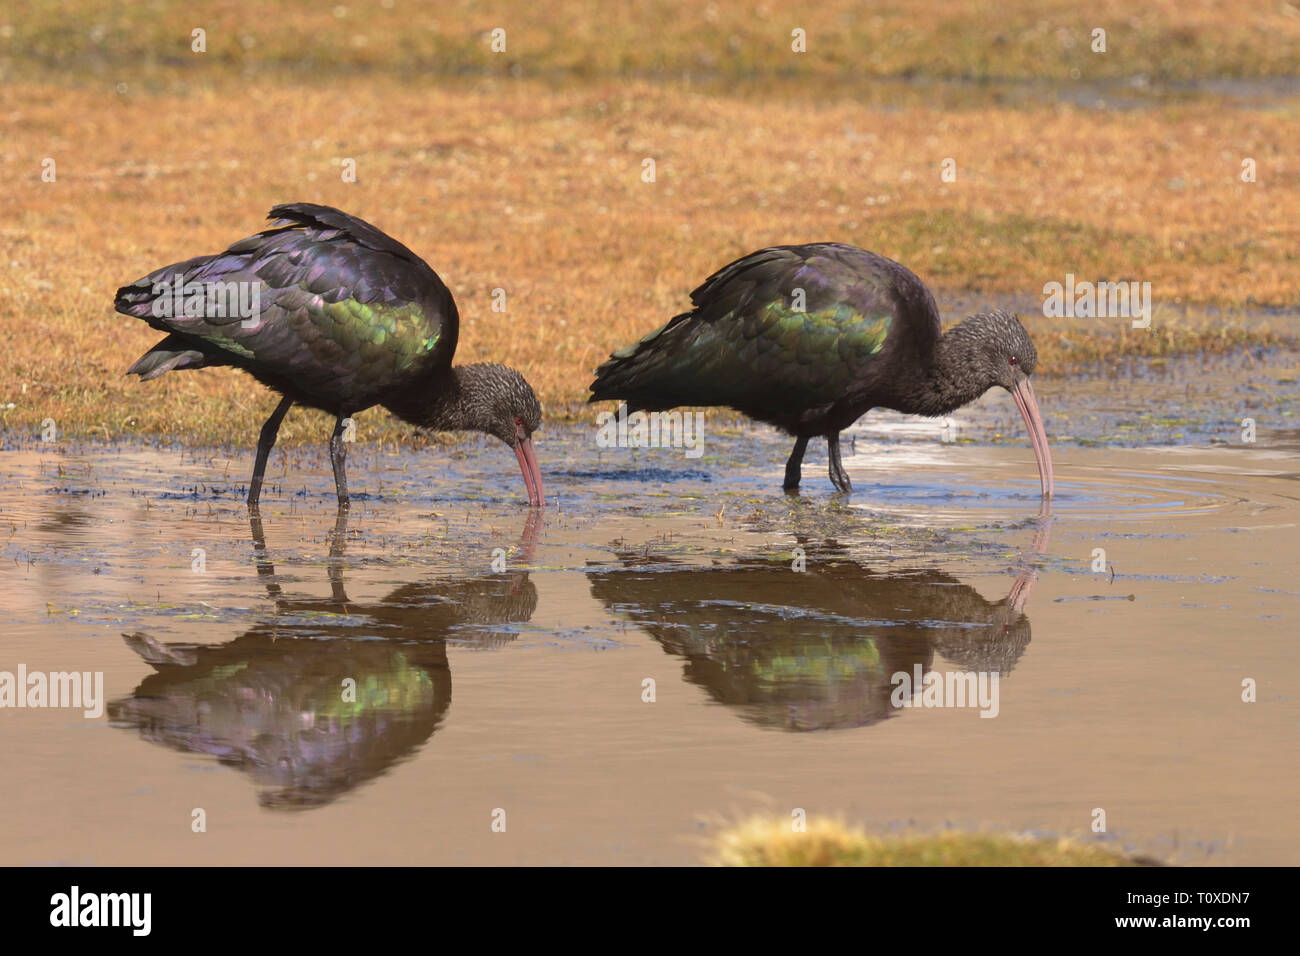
x=272, y=701
x=817, y=650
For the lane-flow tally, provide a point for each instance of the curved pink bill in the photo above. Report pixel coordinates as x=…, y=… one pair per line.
x=1023, y=393
x=532, y=472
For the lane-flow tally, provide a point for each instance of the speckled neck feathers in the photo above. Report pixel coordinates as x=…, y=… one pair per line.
x=481, y=397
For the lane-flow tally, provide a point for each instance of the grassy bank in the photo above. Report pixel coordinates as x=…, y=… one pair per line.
x=976, y=39
x=535, y=187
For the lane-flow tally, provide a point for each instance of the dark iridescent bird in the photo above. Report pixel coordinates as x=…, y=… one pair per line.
x=810, y=338
x=345, y=318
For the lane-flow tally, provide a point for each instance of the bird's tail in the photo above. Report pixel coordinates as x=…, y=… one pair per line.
x=639, y=374
x=173, y=352
x=138, y=298
x=141, y=299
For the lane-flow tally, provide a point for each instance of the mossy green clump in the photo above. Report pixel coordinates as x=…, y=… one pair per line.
x=767, y=841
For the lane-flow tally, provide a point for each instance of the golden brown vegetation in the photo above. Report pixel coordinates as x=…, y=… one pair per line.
x=976, y=39
x=765, y=841
x=536, y=187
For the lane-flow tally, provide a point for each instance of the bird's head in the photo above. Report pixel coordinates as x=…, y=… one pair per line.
x=997, y=351
x=505, y=406
x=996, y=348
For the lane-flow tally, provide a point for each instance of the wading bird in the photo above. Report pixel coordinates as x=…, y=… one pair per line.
x=810, y=338
x=333, y=314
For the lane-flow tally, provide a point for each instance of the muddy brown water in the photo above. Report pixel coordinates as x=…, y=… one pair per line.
x=480, y=689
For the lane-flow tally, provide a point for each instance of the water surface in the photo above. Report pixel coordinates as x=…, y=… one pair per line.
x=500, y=659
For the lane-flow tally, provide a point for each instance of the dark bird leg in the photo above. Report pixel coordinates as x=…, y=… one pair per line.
x=265, y=442
x=794, y=464
x=339, y=456
x=839, y=477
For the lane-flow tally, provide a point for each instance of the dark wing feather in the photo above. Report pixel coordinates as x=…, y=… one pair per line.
x=778, y=332
x=345, y=312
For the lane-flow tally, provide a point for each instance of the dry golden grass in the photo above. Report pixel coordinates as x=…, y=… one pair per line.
x=979, y=39
x=536, y=188
x=764, y=841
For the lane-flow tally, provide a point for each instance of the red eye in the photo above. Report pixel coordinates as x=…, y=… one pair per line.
x=519, y=422
x=1012, y=360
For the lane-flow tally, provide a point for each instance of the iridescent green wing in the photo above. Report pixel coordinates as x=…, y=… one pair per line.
x=790, y=326
x=342, y=310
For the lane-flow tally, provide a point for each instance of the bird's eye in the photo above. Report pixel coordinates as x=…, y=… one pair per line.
x=1012, y=360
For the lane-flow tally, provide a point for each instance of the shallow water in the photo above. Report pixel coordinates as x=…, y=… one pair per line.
x=479, y=690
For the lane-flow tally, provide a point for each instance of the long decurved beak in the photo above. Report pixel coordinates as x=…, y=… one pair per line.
x=531, y=471
x=1023, y=393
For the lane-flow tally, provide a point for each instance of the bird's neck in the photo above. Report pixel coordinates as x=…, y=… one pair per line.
x=949, y=381
x=445, y=404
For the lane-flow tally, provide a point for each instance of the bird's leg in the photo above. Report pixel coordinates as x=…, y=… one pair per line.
x=839, y=477
x=265, y=442
x=794, y=464
x=339, y=456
